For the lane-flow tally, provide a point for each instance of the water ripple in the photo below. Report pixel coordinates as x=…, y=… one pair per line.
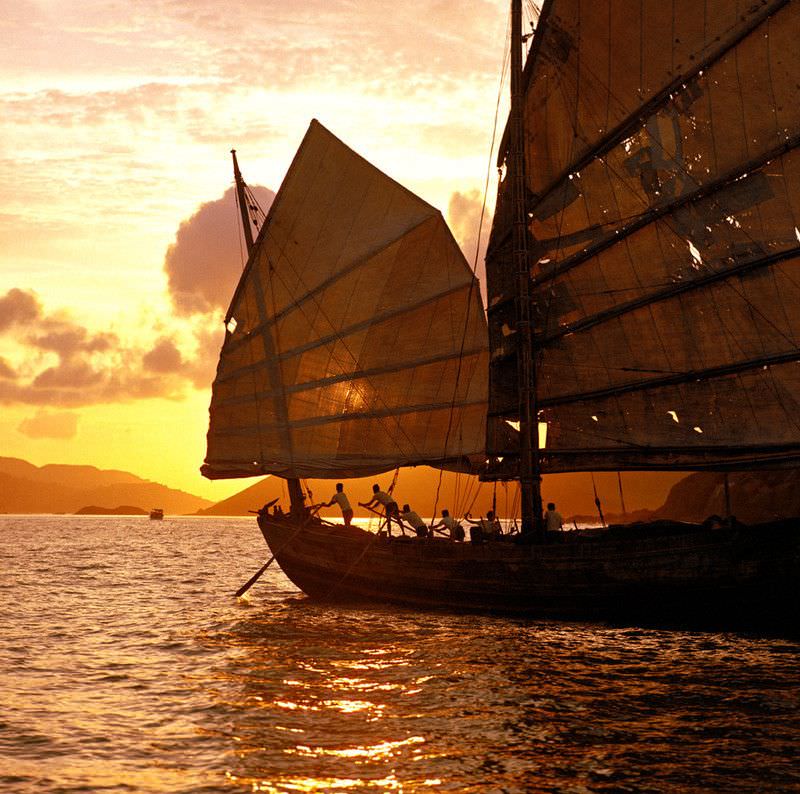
x=127, y=665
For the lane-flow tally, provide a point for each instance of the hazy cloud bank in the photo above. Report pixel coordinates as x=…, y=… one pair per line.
x=54, y=360
x=50, y=424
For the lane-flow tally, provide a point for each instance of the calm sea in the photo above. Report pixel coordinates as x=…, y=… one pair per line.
x=126, y=665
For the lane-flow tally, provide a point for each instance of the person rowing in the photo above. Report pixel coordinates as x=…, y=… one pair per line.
x=414, y=521
x=386, y=500
x=448, y=526
x=340, y=498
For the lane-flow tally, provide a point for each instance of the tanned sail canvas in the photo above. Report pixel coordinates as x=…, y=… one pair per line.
x=356, y=340
x=664, y=204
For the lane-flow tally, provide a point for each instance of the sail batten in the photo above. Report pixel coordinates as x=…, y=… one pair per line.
x=677, y=378
x=618, y=235
x=356, y=375
x=360, y=341
x=348, y=330
x=314, y=293
x=355, y=416
x=664, y=216
x=670, y=292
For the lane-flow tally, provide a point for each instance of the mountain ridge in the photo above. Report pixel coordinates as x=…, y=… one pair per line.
x=66, y=488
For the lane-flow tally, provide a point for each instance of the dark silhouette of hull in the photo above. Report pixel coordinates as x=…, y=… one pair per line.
x=665, y=571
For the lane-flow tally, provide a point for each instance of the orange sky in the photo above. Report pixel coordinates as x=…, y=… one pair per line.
x=115, y=126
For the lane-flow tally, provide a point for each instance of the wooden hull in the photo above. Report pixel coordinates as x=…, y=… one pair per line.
x=665, y=571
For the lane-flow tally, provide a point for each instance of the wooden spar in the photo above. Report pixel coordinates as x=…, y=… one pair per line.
x=529, y=480
x=296, y=496
x=240, y=195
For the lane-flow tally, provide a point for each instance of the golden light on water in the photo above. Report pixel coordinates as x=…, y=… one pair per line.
x=376, y=752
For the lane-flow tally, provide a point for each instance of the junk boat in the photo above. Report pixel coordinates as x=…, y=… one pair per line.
x=643, y=314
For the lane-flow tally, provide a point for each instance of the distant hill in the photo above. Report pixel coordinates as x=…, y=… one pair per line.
x=66, y=474
x=122, y=510
x=63, y=488
x=573, y=493
x=755, y=496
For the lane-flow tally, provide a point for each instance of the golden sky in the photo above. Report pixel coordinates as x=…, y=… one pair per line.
x=118, y=252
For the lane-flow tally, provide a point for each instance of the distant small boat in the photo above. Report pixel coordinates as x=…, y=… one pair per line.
x=156, y=514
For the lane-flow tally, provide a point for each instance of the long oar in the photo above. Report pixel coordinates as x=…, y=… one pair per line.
x=256, y=576
x=400, y=521
x=253, y=579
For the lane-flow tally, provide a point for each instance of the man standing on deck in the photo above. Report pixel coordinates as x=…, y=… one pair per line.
x=341, y=499
x=380, y=497
x=553, y=522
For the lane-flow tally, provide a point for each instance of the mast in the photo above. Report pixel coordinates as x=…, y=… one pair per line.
x=296, y=496
x=529, y=478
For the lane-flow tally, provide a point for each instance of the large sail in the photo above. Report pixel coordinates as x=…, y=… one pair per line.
x=356, y=338
x=664, y=178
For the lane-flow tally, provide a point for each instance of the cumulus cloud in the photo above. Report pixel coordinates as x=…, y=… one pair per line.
x=17, y=307
x=50, y=424
x=203, y=264
x=6, y=370
x=67, y=339
x=163, y=357
x=464, y=219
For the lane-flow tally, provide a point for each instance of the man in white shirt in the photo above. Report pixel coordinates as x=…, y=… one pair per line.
x=552, y=519
x=414, y=521
x=487, y=528
x=380, y=497
x=341, y=499
x=448, y=522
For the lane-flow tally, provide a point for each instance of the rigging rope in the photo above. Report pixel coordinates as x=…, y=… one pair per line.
x=621, y=494
x=506, y=56
x=597, y=501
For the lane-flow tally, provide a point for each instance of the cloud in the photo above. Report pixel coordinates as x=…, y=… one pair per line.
x=204, y=263
x=67, y=339
x=47, y=424
x=6, y=371
x=464, y=219
x=56, y=361
x=18, y=307
x=69, y=375
x=164, y=357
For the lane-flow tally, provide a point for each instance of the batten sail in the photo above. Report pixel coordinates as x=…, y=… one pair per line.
x=664, y=197
x=356, y=338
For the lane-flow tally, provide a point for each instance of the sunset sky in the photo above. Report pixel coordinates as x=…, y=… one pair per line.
x=116, y=121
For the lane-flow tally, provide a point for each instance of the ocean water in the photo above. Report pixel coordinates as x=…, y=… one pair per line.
x=126, y=665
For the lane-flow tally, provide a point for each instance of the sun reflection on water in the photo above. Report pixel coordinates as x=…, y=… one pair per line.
x=376, y=752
